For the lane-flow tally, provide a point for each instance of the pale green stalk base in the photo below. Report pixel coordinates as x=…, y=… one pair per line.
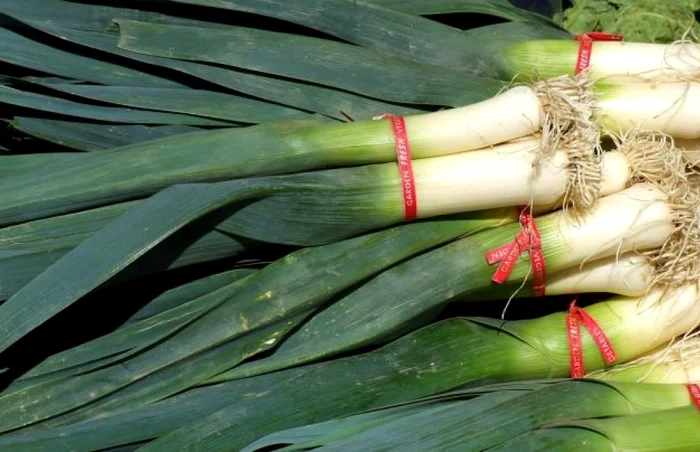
x=542, y=59
x=630, y=275
x=676, y=430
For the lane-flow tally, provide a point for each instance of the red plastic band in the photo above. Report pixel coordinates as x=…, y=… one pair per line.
x=575, y=347
x=580, y=316
x=539, y=270
x=496, y=255
x=403, y=157
x=585, y=48
x=694, y=391
x=510, y=257
x=527, y=239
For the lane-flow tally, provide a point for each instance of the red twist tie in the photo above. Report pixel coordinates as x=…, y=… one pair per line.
x=585, y=48
x=496, y=255
x=528, y=238
x=694, y=391
x=539, y=269
x=580, y=316
x=403, y=157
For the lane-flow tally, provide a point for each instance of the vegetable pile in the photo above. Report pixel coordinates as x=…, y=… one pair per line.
x=638, y=20
x=373, y=230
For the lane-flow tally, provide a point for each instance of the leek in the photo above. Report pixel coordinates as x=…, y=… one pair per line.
x=438, y=358
x=633, y=220
x=675, y=429
x=564, y=111
x=633, y=61
x=342, y=203
x=100, y=178
x=642, y=217
x=451, y=422
x=441, y=357
x=349, y=201
x=668, y=108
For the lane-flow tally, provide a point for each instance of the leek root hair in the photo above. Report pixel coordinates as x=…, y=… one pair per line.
x=568, y=105
x=655, y=159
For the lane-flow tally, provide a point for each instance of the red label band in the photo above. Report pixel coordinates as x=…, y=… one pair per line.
x=496, y=255
x=598, y=335
x=694, y=391
x=578, y=315
x=403, y=157
x=575, y=347
x=585, y=48
x=527, y=239
x=505, y=268
x=539, y=270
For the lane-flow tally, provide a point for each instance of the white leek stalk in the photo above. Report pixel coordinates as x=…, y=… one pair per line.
x=630, y=275
x=551, y=58
x=674, y=363
x=504, y=176
x=670, y=108
x=512, y=114
x=635, y=219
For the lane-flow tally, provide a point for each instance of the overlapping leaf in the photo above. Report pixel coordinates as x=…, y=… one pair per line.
x=88, y=136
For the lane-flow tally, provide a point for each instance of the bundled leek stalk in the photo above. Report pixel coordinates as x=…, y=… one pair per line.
x=479, y=420
x=324, y=74
x=327, y=206
x=657, y=219
x=618, y=317
x=673, y=429
x=101, y=178
x=635, y=85
x=625, y=61
x=564, y=110
x=443, y=356
x=628, y=276
x=476, y=418
x=646, y=218
x=198, y=333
